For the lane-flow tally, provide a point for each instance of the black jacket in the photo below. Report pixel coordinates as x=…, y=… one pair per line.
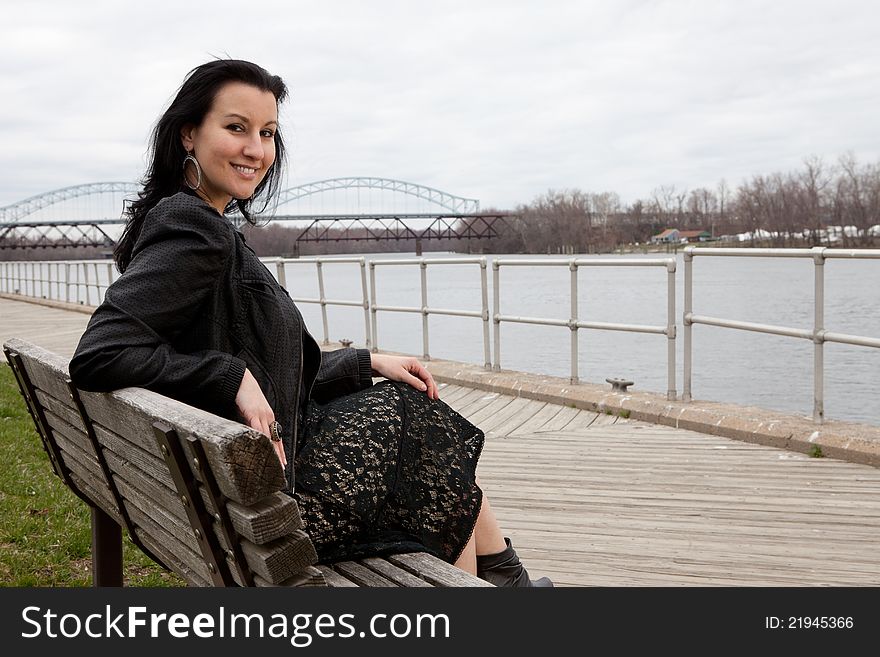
x=193, y=309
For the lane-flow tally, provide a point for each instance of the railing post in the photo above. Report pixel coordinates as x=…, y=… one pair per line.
x=818, y=334
x=487, y=356
x=280, y=273
x=572, y=322
x=67, y=282
x=323, y=300
x=373, y=305
x=424, y=274
x=670, y=331
x=686, y=321
x=496, y=305
x=369, y=339
x=85, y=269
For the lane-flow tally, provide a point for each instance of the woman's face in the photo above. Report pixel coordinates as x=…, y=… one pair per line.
x=234, y=145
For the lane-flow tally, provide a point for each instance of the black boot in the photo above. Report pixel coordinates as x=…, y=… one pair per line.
x=505, y=569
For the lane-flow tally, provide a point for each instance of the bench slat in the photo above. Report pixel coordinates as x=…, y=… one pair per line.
x=397, y=575
x=171, y=560
x=101, y=500
x=334, y=579
x=270, y=518
x=241, y=459
x=309, y=576
x=435, y=570
x=61, y=408
x=278, y=561
x=188, y=561
x=361, y=575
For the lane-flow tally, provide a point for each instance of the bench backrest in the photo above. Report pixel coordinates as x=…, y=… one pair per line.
x=198, y=493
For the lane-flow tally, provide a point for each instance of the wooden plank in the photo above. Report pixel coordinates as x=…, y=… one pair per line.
x=242, y=460
x=149, y=463
x=361, y=575
x=452, y=392
x=540, y=418
x=72, y=437
x=101, y=498
x=333, y=578
x=277, y=561
x=185, y=561
x=473, y=401
x=434, y=570
x=193, y=577
x=266, y=520
x=582, y=421
x=530, y=410
x=309, y=576
x=558, y=421
x=391, y=572
x=488, y=411
x=62, y=409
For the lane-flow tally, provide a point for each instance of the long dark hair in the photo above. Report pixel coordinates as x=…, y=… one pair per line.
x=164, y=175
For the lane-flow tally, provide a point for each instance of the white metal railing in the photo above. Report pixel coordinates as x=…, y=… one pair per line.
x=818, y=335
x=574, y=323
x=36, y=279
x=322, y=300
x=424, y=309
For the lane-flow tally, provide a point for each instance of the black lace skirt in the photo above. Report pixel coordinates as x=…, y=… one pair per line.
x=387, y=470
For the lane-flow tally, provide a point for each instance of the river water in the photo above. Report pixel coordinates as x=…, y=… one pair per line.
x=735, y=366
x=729, y=365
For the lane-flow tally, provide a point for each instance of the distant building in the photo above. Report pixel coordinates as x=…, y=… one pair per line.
x=668, y=236
x=676, y=236
x=695, y=235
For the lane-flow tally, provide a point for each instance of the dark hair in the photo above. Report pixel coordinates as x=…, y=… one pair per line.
x=164, y=175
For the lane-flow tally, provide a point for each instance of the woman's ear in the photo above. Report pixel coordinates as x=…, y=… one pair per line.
x=187, y=137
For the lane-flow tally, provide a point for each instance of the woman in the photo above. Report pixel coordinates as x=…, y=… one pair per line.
x=196, y=316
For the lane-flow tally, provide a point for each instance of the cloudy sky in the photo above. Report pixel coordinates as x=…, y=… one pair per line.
x=499, y=101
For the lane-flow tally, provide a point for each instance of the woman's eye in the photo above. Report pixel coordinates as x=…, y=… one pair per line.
x=235, y=127
x=268, y=133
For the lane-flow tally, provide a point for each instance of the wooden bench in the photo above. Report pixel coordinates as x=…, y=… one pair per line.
x=199, y=494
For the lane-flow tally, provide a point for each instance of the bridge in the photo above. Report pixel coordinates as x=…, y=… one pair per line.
x=346, y=209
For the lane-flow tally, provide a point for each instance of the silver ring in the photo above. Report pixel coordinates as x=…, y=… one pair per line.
x=275, y=432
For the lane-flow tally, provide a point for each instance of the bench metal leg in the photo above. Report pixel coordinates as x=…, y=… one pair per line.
x=106, y=550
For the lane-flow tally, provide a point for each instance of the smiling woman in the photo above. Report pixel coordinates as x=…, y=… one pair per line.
x=233, y=148
x=196, y=316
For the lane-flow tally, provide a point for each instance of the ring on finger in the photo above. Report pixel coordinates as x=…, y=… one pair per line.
x=275, y=432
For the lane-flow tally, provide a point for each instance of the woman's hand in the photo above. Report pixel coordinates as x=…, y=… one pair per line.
x=255, y=410
x=405, y=369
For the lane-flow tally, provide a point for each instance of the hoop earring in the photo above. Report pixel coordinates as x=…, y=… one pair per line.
x=191, y=158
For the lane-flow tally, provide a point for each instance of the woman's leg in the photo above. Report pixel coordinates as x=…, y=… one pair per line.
x=468, y=559
x=487, y=532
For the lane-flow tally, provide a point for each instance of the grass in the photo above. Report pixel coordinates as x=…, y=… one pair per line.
x=45, y=530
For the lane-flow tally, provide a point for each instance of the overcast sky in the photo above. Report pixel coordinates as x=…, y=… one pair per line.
x=499, y=101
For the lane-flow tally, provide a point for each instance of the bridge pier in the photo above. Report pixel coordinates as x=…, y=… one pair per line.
x=418, y=247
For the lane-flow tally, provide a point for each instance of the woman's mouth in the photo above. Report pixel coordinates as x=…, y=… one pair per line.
x=249, y=173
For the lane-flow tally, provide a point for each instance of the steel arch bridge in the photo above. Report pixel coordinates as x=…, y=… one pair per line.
x=17, y=211
x=458, y=219
x=453, y=204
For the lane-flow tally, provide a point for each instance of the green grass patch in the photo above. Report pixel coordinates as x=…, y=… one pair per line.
x=45, y=530
x=816, y=452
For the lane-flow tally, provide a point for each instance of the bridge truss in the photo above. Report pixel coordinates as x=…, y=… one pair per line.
x=458, y=218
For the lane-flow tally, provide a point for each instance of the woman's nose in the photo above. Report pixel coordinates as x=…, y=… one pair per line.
x=253, y=148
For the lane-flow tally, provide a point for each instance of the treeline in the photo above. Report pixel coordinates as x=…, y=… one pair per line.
x=818, y=204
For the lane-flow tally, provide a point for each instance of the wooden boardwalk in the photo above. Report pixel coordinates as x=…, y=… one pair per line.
x=596, y=500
